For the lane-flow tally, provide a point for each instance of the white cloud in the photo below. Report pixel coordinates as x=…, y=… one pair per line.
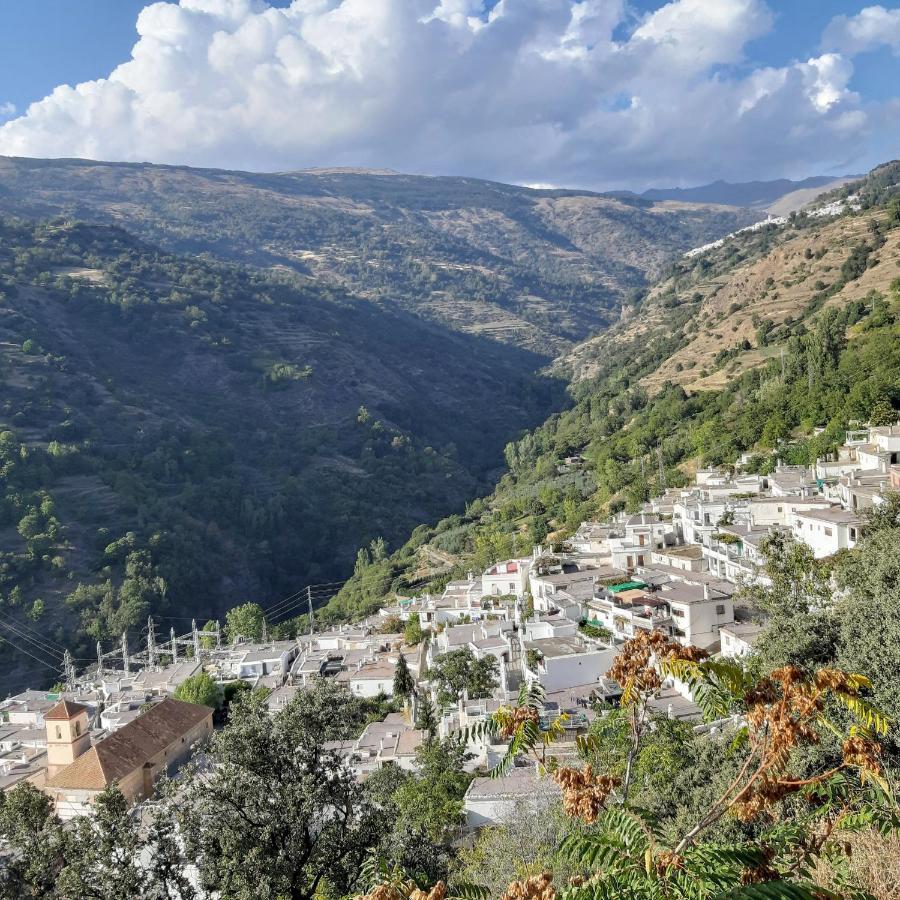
x=7, y=110
x=872, y=27
x=530, y=91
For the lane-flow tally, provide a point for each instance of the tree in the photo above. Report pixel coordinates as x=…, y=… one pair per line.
x=868, y=613
x=245, y=621
x=460, y=670
x=432, y=802
x=623, y=851
x=275, y=814
x=800, y=629
x=883, y=413
x=200, y=689
x=413, y=633
x=105, y=856
x=426, y=717
x=403, y=680
x=206, y=641
x=35, y=844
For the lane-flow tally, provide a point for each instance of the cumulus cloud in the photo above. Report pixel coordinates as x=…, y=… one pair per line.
x=870, y=28
x=7, y=110
x=535, y=91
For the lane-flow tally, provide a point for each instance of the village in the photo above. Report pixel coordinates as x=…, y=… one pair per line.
x=555, y=618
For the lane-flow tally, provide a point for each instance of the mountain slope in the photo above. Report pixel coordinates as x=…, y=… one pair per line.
x=178, y=435
x=685, y=380
x=535, y=268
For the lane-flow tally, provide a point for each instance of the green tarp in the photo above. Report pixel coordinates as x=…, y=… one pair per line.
x=626, y=586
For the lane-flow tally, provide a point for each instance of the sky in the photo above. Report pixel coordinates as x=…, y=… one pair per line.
x=579, y=93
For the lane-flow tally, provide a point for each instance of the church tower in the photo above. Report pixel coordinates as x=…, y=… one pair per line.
x=68, y=735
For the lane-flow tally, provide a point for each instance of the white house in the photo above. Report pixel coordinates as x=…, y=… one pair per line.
x=520, y=793
x=561, y=663
x=508, y=577
x=827, y=531
x=738, y=638
x=698, y=612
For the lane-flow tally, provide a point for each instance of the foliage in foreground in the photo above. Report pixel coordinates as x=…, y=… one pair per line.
x=797, y=805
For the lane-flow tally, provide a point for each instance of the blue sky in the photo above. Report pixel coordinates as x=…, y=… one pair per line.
x=537, y=91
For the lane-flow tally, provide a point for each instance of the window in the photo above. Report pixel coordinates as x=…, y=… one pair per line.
x=828, y=532
x=720, y=609
x=77, y=729
x=679, y=613
x=58, y=733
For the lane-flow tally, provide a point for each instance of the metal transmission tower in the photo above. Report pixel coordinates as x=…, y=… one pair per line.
x=69, y=671
x=265, y=631
x=309, y=601
x=174, y=645
x=662, y=470
x=151, y=643
x=126, y=659
x=196, y=638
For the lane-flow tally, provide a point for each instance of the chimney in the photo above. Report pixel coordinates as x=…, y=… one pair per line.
x=706, y=592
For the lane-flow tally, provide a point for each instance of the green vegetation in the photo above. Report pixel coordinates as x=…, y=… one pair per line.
x=460, y=670
x=200, y=689
x=179, y=436
x=841, y=363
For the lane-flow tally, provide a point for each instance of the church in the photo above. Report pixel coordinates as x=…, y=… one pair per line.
x=157, y=742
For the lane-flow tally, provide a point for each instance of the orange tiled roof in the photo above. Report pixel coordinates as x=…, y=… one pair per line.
x=65, y=710
x=133, y=745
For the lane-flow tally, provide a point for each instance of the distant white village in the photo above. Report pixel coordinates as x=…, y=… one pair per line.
x=556, y=618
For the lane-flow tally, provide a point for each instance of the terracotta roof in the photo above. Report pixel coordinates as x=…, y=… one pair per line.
x=65, y=710
x=133, y=745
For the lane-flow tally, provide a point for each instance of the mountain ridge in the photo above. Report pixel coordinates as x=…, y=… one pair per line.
x=753, y=194
x=537, y=268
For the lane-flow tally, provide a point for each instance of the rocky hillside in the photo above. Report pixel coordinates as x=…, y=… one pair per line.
x=730, y=305
x=535, y=268
x=773, y=342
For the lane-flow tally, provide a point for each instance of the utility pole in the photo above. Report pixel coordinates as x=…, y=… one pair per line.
x=151, y=643
x=265, y=631
x=196, y=637
x=309, y=602
x=662, y=469
x=125, y=657
x=218, y=636
x=99, y=659
x=174, y=645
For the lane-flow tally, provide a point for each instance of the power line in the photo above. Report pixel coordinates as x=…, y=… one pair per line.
x=35, y=658
x=305, y=599
x=274, y=607
x=35, y=644
x=26, y=627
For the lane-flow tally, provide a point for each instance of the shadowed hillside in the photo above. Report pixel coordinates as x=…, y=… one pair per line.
x=177, y=436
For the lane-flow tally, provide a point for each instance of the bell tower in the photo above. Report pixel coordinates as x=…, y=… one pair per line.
x=68, y=735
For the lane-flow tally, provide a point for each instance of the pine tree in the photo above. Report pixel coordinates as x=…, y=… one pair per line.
x=426, y=718
x=403, y=680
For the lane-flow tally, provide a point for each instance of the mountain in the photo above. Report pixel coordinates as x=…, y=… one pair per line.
x=178, y=435
x=782, y=336
x=539, y=269
x=751, y=194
